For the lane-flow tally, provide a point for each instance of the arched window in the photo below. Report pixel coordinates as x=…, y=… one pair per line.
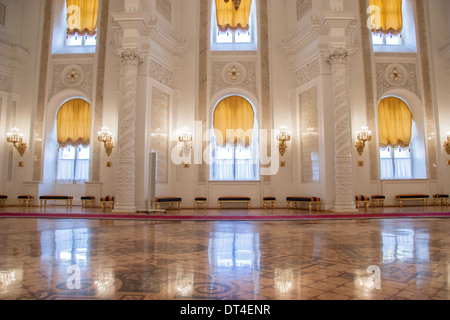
x=235, y=153
x=73, y=125
x=231, y=29
x=397, y=132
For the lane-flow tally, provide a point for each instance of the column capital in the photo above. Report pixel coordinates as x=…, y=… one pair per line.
x=337, y=55
x=130, y=57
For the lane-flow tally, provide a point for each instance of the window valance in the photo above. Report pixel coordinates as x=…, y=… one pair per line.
x=73, y=123
x=394, y=123
x=386, y=16
x=82, y=17
x=230, y=19
x=234, y=116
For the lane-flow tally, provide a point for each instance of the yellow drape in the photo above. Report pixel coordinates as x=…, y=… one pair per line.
x=73, y=123
x=387, y=17
x=82, y=17
x=394, y=123
x=234, y=113
x=230, y=19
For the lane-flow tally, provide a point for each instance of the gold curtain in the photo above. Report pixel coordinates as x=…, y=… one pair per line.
x=82, y=17
x=234, y=113
x=73, y=123
x=394, y=123
x=387, y=16
x=230, y=19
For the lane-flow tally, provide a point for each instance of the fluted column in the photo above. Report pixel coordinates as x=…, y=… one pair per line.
x=344, y=194
x=126, y=173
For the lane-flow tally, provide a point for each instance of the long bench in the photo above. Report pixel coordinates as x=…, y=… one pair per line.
x=234, y=200
x=200, y=200
x=442, y=199
x=363, y=199
x=67, y=199
x=412, y=197
x=25, y=200
x=269, y=200
x=170, y=200
x=309, y=200
x=3, y=200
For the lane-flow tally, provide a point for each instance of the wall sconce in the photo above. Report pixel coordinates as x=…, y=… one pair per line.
x=361, y=138
x=16, y=138
x=185, y=137
x=447, y=143
x=283, y=136
x=105, y=136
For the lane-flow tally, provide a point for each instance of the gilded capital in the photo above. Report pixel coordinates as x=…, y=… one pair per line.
x=337, y=56
x=131, y=57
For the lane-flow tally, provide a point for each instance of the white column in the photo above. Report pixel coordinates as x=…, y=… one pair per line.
x=344, y=194
x=126, y=174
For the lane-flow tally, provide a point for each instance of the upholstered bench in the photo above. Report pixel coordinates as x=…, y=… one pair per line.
x=363, y=199
x=378, y=199
x=234, y=200
x=105, y=200
x=87, y=201
x=270, y=200
x=200, y=201
x=67, y=199
x=25, y=200
x=412, y=197
x=441, y=199
x=309, y=200
x=170, y=200
x=3, y=200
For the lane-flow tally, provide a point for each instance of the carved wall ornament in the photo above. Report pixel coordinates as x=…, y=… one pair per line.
x=161, y=73
x=338, y=56
x=131, y=57
x=228, y=74
x=308, y=73
x=397, y=75
x=72, y=76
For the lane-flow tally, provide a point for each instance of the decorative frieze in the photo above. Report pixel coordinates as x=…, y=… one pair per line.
x=396, y=75
x=4, y=83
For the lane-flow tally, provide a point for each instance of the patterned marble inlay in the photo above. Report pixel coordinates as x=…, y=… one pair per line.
x=379, y=259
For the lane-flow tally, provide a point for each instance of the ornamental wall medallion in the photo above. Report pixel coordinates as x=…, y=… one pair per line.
x=396, y=75
x=72, y=76
x=239, y=74
x=234, y=73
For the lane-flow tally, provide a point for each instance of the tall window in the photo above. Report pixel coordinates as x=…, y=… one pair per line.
x=81, y=22
x=73, y=135
x=392, y=25
x=235, y=153
x=233, y=29
x=397, y=131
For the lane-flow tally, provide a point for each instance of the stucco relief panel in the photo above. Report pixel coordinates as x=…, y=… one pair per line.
x=72, y=76
x=234, y=74
x=396, y=75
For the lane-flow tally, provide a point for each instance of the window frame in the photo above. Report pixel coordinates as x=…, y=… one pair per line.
x=75, y=161
x=235, y=46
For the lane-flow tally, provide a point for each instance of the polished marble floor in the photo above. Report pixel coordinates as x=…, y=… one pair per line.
x=363, y=259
